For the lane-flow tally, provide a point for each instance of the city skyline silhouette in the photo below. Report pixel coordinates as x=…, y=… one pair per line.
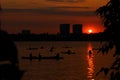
x=46, y=19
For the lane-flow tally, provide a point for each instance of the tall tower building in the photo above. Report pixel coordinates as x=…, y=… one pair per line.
x=64, y=29
x=77, y=29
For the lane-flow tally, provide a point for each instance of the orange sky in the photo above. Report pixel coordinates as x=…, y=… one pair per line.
x=51, y=3
x=46, y=15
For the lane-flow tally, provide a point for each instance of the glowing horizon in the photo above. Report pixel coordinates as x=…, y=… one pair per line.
x=51, y=13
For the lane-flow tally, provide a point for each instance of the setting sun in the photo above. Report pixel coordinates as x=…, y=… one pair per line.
x=90, y=31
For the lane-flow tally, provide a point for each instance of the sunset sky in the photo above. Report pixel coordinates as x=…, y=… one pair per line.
x=46, y=15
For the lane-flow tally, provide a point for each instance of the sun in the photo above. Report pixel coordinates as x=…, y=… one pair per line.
x=90, y=31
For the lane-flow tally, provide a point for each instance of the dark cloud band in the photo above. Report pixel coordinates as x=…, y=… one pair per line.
x=68, y=7
x=56, y=11
x=66, y=0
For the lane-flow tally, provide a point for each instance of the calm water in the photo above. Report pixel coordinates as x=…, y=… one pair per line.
x=78, y=66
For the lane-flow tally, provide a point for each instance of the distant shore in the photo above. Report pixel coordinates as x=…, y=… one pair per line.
x=58, y=37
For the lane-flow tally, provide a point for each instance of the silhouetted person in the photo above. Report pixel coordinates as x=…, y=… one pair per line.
x=51, y=49
x=57, y=56
x=31, y=57
x=39, y=57
x=90, y=52
x=8, y=50
x=9, y=69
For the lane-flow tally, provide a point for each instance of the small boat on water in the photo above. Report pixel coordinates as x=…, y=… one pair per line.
x=39, y=57
x=90, y=52
x=32, y=48
x=68, y=52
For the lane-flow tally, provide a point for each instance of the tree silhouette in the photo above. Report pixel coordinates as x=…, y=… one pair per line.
x=110, y=15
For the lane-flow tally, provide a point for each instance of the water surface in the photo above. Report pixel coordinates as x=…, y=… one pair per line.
x=78, y=66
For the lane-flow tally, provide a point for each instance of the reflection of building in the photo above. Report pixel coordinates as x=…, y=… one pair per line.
x=26, y=32
x=64, y=29
x=77, y=29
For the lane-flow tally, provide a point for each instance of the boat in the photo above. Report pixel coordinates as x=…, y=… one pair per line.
x=32, y=48
x=68, y=52
x=39, y=57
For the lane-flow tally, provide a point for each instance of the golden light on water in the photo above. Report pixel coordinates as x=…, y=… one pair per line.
x=90, y=60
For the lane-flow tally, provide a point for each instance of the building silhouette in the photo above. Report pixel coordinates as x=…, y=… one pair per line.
x=64, y=29
x=25, y=32
x=77, y=29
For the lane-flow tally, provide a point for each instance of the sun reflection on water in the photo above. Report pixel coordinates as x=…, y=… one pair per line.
x=90, y=60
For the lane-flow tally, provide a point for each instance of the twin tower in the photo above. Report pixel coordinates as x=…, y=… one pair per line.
x=65, y=29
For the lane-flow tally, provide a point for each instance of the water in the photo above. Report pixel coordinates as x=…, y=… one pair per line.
x=78, y=66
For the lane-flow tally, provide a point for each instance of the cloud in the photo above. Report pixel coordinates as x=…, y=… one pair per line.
x=66, y=1
x=68, y=7
x=55, y=11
